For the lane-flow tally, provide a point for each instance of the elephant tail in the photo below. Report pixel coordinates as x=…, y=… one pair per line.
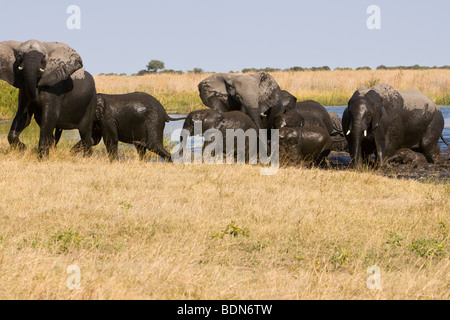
x=446, y=143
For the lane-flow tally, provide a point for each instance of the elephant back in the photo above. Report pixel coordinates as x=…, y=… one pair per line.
x=416, y=100
x=315, y=108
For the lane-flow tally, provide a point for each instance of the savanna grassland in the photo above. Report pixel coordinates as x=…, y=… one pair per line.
x=178, y=93
x=152, y=230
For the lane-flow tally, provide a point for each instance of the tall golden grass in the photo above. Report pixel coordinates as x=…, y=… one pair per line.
x=179, y=93
x=142, y=230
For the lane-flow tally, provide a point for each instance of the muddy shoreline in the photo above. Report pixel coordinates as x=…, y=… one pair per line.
x=438, y=172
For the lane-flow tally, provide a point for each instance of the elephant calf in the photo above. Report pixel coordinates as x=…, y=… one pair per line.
x=137, y=118
x=211, y=119
x=311, y=144
x=408, y=157
x=304, y=136
x=338, y=138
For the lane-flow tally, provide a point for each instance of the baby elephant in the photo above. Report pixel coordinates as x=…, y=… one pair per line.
x=408, y=157
x=311, y=144
x=136, y=118
x=211, y=119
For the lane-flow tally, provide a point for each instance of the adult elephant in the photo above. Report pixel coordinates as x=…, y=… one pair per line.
x=382, y=120
x=52, y=87
x=252, y=94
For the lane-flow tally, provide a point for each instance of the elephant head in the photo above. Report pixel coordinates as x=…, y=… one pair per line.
x=288, y=118
x=32, y=64
x=253, y=94
x=287, y=103
x=290, y=144
x=366, y=120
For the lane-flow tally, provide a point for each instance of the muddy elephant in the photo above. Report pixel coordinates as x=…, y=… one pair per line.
x=136, y=118
x=252, y=94
x=307, y=107
x=303, y=135
x=304, y=144
x=409, y=158
x=53, y=88
x=233, y=126
x=381, y=120
x=338, y=137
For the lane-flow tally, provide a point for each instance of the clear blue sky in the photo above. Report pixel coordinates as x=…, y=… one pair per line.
x=123, y=36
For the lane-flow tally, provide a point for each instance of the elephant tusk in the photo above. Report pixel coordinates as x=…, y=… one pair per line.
x=41, y=70
x=348, y=132
x=365, y=133
x=20, y=68
x=263, y=115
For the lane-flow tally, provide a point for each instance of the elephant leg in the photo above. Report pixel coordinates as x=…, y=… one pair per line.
x=112, y=146
x=161, y=151
x=58, y=133
x=85, y=130
x=20, y=122
x=155, y=138
x=429, y=144
x=140, y=150
x=111, y=140
x=95, y=140
x=46, y=137
x=47, y=123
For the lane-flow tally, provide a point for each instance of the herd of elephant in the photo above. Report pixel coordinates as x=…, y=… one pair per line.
x=54, y=88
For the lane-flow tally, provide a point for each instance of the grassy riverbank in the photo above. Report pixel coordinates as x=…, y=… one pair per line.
x=179, y=94
x=163, y=231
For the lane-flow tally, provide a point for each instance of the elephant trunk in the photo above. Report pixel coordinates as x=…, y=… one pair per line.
x=255, y=115
x=358, y=133
x=31, y=71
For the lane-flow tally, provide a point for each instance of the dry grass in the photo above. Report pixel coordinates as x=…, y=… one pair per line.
x=151, y=231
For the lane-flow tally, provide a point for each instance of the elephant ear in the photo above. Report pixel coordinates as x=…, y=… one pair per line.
x=100, y=107
x=390, y=103
x=288, y=101
x=376, y=102
x=213, y=92
x=269, y=91
x=8, y=64
x=62, y=61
